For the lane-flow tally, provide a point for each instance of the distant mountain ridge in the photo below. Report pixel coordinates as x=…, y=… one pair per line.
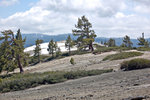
x=31, y=38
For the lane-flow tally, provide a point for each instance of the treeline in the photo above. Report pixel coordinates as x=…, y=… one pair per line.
x=142, y=42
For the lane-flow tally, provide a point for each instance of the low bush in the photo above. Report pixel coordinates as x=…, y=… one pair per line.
x=23, y=81
x=0, y=80
x=77, y=52
x=72, y=61
x=108, y=49
x=143, y=49
x=134, y=64
x=122, y=55
x=33, y=61
x=82, y=73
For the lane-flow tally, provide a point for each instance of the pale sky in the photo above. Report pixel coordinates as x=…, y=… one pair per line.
x=110, y=18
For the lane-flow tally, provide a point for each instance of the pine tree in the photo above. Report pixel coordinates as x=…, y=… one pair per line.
x=69, y=44
x=123, y=45
x=105, y=43
x=111, y=43
x=7, y=61
x=52, y=47
x=85, y=34
x=56, y=46
x=101, y=42
x=143, y=42
x=18, y=50
x=37, y=50
x=58, y=52
x=146, y=44
x=127, y=42
x=12, y=51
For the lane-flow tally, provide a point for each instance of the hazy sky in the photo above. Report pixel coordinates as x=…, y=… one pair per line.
x=110, y=18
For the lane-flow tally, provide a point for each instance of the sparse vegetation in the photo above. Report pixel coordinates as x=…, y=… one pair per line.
x=122, y=55
x=59, y=55
x=138, y=63
x=23, y=81
x=143, y=49
x=108, y=49
x=32, y=61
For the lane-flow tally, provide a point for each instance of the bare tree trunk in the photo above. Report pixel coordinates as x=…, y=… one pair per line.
x=52, y=54
x=69, y=50
x=20, y=65
x=91, y=47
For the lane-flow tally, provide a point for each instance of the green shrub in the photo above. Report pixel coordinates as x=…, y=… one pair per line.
x=77, y=52
x=122, y=55
x=0, y=80
x=138, y=63
x=100, y=49
x=143, y=49
x=83, y=73
x=54, y=78
x=72, y=61
x=23, y=81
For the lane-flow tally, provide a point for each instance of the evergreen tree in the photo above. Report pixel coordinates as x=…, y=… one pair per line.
x=12, y=51
x=7, y=61
x=85, y=34
x=111, y=43
x=18, y=50
x=37, y=50
x=52, y=47
x=123, y=45
x=58, y=52
x=146, y=44
x=143, y=42
x=127, y=42
x=101, y=42
x=105, y=43
x=69, y=44
x=56, y=47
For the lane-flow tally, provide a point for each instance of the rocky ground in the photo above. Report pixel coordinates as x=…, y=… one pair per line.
x=117, y=85
x=83, y=62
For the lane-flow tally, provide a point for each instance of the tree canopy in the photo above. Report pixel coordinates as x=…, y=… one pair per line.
x=12, y=51
x=52, y=47
x=37, y=50
x=69, y=43
x=86, y=35
x=143, y=42
x=127, y=42
x=111, y=43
